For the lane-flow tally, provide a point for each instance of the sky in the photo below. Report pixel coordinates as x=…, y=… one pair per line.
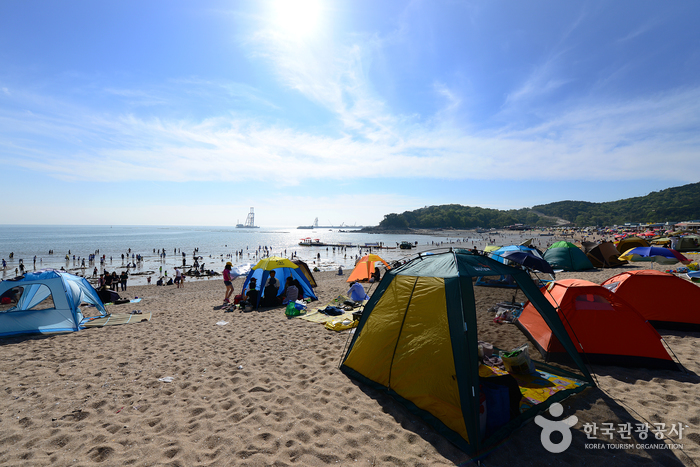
x=190, y=113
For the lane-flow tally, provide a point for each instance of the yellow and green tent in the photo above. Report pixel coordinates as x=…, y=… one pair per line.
x=417, y=341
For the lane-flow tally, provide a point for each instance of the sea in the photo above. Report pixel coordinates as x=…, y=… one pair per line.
x=65, y=246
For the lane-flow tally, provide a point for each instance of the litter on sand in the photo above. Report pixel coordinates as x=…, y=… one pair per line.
x=166, y=379
x=222, y=323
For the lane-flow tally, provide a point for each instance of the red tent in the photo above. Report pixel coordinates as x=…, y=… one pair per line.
x=667, y=301
x=605, y=327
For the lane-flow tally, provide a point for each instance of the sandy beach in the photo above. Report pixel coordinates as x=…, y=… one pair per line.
x=264, y=390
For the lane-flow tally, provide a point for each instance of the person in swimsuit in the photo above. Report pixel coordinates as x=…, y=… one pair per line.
x=227, y=282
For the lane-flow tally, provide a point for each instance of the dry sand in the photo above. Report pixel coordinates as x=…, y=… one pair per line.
x=266, y=390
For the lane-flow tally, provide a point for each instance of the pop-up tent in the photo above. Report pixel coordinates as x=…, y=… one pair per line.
x=630, y=242
x=283, y=268
x=307, y=272
x=604, y=326
x=45, y=301
x=602, y=255
x=667, y=301
x=567, y=256
x=417, y=341
x=686, y=243
x=365, y=267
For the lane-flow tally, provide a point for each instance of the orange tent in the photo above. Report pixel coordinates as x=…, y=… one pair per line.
x=605, y=328
x=667, y=301
x=365, y=267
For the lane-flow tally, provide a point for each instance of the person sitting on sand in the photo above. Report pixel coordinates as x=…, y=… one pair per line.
x=273, y=280
x=251, y=294
x=376, y=275
x=357, y=292
x=300, y=293
x=291, y=292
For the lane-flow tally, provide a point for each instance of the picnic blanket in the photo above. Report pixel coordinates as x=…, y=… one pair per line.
x=535, y=387
x=319, y=316
x=115, y=319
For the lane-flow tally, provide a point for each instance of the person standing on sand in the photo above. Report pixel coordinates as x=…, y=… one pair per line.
x=178, y=277
x=227, y=282
x=123, y=277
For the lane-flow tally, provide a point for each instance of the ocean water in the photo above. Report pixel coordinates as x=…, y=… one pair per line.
x=216, y=246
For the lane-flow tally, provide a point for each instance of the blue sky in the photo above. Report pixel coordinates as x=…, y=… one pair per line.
x=189, y=113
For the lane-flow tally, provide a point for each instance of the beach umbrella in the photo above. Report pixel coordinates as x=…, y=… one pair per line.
x=274, y=262
x=528, y=259
x=654, y=254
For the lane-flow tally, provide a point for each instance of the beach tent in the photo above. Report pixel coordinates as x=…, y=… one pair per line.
x=630, y=242
x=608, y=329
x=667, y=301
x=567, y=256
x=281, y=273
x=686, y=243
x=497, y=253
x=307, y=272
x=602, y=255
x=45, y=301
x=365, y=267
x=661, y=241
x=417, y=341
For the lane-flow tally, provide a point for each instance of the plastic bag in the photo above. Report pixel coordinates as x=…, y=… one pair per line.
x=518, y=361
x=292, y=310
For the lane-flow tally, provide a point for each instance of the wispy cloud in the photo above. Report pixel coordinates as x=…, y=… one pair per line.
x=71, y=140
x=639, y=31
x=620, y=140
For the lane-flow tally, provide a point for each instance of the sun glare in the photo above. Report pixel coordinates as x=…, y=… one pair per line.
x=297, y=18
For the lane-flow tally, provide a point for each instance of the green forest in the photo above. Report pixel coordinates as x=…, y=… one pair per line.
x=456, y=216
x=673, y=204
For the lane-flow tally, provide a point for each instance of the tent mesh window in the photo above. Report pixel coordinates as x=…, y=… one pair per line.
x=14, y=299
x=47, y=303
x=8, y=300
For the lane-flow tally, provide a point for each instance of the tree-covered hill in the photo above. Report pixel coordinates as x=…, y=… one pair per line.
x=673, y=204
x=456, y=216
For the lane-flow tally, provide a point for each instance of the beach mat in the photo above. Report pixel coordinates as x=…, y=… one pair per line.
x=116, y=319
x=317, y=316
x=321, y=318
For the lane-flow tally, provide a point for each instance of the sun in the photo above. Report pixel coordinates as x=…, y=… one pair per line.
x=297, y=18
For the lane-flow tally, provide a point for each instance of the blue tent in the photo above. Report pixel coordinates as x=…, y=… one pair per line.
x=500, y=256
x=45, y=301
x=281, y=274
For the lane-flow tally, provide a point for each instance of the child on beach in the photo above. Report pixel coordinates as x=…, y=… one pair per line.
x=227, y=282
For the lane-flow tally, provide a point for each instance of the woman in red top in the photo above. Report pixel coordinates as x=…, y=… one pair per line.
x=227, y=282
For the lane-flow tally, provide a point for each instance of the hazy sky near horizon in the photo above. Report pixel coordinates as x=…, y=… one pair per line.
x=189, y=113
